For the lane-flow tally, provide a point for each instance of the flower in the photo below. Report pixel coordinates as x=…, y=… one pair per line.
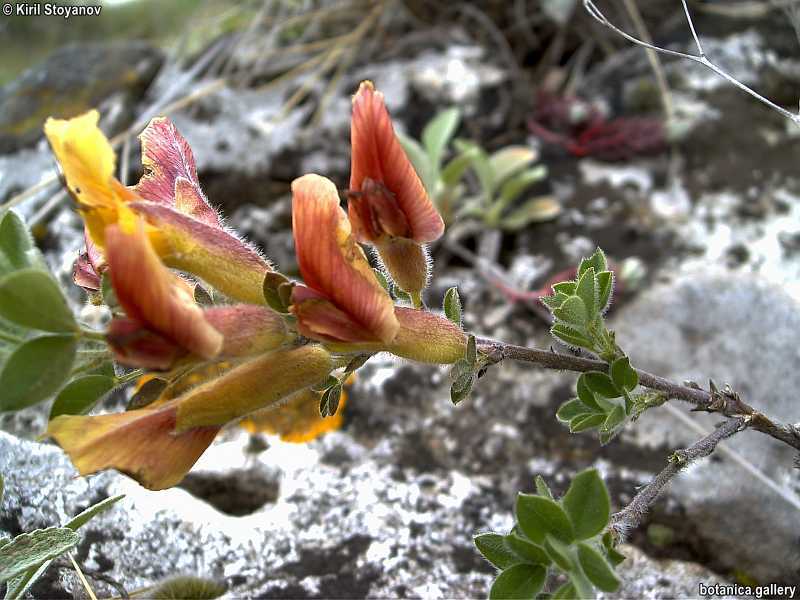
x=158, y=444
x=164, y=322
x=182, y=227
x=342, y=299
x=388, y=205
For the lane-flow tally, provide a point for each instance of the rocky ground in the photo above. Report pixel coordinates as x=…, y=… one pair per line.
x=387, y=506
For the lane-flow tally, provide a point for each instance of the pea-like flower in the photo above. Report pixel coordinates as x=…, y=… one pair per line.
x=182, y=227
x=388, y=205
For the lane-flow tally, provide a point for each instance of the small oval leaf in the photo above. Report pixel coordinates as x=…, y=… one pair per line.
x=518, y=581
x=32, y=298
x=494, y=548
x=587, y=504
x=537, y=516
x=36, y=370
x=597, y=569
x=80, y=395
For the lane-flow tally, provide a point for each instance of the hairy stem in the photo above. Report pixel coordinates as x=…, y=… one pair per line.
x=725, y=402
x=632, y=515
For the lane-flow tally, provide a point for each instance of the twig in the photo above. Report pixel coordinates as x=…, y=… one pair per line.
x=632, y=515
x=85, y=583
x=725, y=402
x=595, y=12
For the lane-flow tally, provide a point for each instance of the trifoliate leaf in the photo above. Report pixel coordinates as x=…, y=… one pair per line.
x=538, y=516
x=602, y=384
x=587, y=504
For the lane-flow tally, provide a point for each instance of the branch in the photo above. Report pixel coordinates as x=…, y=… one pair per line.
x=595, y=12
x=725, y=402
x=632, y=515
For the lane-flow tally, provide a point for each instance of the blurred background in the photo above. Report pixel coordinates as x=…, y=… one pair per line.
x=540, y=134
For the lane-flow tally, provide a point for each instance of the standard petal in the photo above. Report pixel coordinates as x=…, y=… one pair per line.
x=155, y=297
x=378, y=156
x=170, y=173
x=333, y=264
x=220, y=258
x=140, y=443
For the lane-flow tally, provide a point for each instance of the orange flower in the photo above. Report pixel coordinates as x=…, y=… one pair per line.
x=390, y=199
x=158, y=444
x=342, y=299
x=183, y=228
x=388, y=204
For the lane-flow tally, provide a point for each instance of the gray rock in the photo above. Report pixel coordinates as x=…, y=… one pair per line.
x=57, y=88
x=742, y=331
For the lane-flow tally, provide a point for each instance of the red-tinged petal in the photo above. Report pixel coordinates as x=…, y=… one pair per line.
x=247, y=329
x=136, y=346
x=84, y=275
x=377, y=155
x=219, y=257
x=319, y=319
x=155, y=297
x=171, y=174
x=331, y=261
x=258, y=383
x=140, y=443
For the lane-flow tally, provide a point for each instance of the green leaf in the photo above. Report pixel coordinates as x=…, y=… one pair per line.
x=482, y=167
x=587, y=291
x=558, y=552
x=36, y=370
x=605, y=284
x=29, y=549
x=84, y=517
x=517, y=184
x=601, y=383
x=614, y=419
x=597, y=569
x=496, y=550
x=565, y=592
x=570, y=336
x=462, y=387
x=587, y=504
x=596, y=261
x=571, y=409
x=623, y=374
x=572, y=312
x=17, y=250
x=586, y=421
x=80, y=395
x=452, y=305
x=527, y=550
x=565, y=287
x=329, y=403
x=518, y=581
x=509, y=161
x=32, y=298
x=536, y=210
x=438, y=133
x=421, y=161
x=472, y=351
x=542, y=488
x=586, y=395
x=537, y=516
x=454, y=171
